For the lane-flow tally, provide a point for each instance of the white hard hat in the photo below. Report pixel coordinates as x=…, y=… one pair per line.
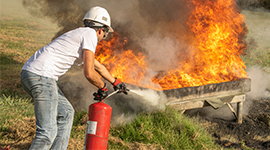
x=99, y=15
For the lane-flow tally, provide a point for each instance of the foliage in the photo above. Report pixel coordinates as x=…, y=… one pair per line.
x=265, y=3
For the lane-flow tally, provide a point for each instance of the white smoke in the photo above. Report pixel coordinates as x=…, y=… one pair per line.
x=140, y=20
x=260, y=81
x=150, y=99
x=163, y=54
x=125, y=107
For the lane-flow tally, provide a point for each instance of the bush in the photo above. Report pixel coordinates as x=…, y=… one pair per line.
x=265, y=3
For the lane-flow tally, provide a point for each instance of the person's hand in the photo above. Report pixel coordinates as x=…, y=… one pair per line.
x=120, y=86
x=101, y=93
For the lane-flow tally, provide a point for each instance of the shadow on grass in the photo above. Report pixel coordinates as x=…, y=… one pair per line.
x=7, y=59
x=10, y=76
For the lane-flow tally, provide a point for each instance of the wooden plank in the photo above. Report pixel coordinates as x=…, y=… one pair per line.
x=188, y=93
x=200, y=102
x=229, y=98
x=238, y=98
x=240, y=112
x=211, y=90
x=184, y=105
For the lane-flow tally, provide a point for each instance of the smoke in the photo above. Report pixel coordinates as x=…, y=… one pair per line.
x=125, y=107
x=210, y=113
x=164, y=55
x=159, y=60
x=140, y=20
x=260, y=88
x=260, y=83
x=152, y=29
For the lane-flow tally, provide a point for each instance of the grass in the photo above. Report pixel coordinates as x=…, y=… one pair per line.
x=258, y=57
x=13, y=109
x=22, y=38
x=167, y=130
x=162, y=130
x=21, y=35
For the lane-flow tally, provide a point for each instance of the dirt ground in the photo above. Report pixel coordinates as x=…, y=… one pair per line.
x=253, y=133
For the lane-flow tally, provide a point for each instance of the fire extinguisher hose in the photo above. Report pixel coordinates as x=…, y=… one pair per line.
x=111, y=94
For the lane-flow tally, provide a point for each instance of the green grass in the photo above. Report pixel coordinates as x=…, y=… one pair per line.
x=22, y=37
x=260, y=57
x=13, y=109
x=169, y=130
x=9, y=66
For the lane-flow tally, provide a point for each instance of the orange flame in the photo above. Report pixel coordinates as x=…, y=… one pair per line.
x=123, y=64
x=219, y=32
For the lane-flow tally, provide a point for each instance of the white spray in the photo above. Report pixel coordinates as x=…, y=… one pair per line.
x=126, y=107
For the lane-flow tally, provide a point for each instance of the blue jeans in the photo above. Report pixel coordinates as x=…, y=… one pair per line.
x=54, y=114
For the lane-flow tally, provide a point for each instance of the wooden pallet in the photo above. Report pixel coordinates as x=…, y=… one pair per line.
x=215, y=95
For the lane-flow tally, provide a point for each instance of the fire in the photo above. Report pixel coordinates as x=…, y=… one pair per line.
x=123, y=64
x=219, y=30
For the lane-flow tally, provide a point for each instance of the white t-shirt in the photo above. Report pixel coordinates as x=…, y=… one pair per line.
x=54, y=59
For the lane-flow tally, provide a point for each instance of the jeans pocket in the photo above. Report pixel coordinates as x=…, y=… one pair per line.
x=33, y=86
x=37, y=88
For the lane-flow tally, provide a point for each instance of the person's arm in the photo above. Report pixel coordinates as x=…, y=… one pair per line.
x=102, y=70
x=92, y=66
x=117, y=84
x=89, y=69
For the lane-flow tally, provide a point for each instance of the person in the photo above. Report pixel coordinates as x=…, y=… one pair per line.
x=54, y=114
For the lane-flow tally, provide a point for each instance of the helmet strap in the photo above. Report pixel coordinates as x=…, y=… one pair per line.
x=96, y=25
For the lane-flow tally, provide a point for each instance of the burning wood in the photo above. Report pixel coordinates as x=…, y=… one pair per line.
x=205, y=92
x=207, y=38
x=215, y=95
x=210, y=90
x=219, y=32
x=212, y=71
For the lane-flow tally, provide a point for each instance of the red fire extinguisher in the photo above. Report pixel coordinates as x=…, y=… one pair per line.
x=98, y=125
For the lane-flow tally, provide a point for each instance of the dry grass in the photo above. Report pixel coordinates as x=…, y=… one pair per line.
x=20, y=135
x=21, y=35
x=258, y=24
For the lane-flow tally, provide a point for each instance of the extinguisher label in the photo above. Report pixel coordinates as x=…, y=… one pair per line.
x=91, y=127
